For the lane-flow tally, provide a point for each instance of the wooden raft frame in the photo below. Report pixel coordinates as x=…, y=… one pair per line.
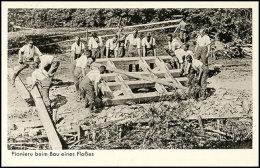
x=118, y=84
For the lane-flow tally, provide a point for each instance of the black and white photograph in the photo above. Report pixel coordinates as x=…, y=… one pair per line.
x=132, y=78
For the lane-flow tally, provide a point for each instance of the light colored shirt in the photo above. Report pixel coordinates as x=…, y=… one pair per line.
x=82, y=61
x=45, y=60
x=111, y=45
x=189, y=52
x=92, y=43
x=77, y=48
x=203, y=41
x=94, y=75
x=147, y=44
x=134, y=41
x=182, y=25
x=38, y=74
x=29, y=53
x=180, y=53
x=196, y=64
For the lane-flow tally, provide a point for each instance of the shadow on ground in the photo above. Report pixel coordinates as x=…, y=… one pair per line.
x=60, y=83
x=59, y=101
x=213, y=72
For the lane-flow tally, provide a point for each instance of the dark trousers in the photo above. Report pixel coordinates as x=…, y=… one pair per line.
x=87, y=92
x=97, y=52
x=77, y=77
x=22, y=66
x=149, y=51
x=201, y=54
x=121, y=51
x=132, y=51
x=45, y=85
x=76, y=56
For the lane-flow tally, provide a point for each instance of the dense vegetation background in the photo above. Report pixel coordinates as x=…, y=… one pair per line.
x=228, y=24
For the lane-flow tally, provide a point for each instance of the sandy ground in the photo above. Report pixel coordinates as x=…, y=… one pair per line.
x=232, y=93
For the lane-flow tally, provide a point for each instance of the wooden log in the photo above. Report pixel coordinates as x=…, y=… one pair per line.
x=233, y=116
x=19, y=85
x=46, y=120
x=201, y=125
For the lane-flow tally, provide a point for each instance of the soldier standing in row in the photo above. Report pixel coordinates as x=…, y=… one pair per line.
x=77, y=49
x=148, y=44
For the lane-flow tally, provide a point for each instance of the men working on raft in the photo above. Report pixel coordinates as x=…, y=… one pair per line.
x=27, y=56
x=77, y=49
x=82, y=68
x=95, y=45
x=202, y=50
x=194, y=71
x=148, y=44
x=43, y=75
x=134, y=47
x=112, y=47
x=89, y=86
x=121, y=43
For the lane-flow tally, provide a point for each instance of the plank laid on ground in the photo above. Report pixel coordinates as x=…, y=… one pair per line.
x=19, y=85
x=193, y=117
x=46, y=120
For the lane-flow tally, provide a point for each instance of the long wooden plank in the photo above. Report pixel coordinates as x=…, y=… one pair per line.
x=160, y=88
x=165, y=69
x=126, y=59
x=53, y=137
x=124, y=87
x=204, y=117
x=19, y=85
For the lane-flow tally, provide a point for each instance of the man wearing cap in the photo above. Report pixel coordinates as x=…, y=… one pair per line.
x=43, y=75
x=77, y=49
x=112, y=47
x=95, y=45
x=27, y=56
x=89, y=86
x=202, y=50
x=134, y=44
x=83, y=66
x=148, y=44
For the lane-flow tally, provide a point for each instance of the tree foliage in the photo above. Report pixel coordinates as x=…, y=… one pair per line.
x=229, y=24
